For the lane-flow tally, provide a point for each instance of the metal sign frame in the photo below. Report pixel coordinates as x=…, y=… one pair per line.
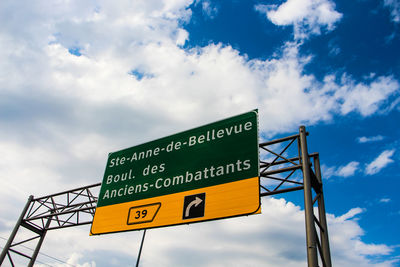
x=278, y=169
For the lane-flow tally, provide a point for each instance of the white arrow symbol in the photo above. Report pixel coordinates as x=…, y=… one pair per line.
x=195, y=203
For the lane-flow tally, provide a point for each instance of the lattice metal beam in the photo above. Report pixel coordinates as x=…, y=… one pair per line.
x=65, y=209
x=275, y=161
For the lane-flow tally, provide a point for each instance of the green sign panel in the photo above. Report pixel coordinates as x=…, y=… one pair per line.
x=218, y=153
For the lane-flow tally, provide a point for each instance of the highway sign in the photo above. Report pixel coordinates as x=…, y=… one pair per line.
x=210, y=172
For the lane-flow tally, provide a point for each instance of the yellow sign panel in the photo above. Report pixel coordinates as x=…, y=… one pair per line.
x=214, y=202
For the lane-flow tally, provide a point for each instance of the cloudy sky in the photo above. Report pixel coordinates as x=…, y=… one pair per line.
x=79, y=79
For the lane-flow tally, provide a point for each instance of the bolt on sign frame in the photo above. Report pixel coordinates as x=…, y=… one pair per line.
x=280, y=161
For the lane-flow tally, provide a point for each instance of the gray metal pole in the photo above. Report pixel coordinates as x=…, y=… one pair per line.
x=15, y=230
x=39, y=244
x=312, y=253
x=140, y=249
x=322, y=217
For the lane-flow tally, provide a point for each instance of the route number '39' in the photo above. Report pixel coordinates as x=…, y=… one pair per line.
x=143, y=213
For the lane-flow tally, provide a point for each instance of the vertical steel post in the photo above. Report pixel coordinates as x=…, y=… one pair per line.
x=312, y=254
x=326, y=254
x=39, y=244
x=15, y=230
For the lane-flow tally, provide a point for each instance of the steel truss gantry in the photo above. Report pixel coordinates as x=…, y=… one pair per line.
x=279, y=165
x=65, y=209
x=280, y=159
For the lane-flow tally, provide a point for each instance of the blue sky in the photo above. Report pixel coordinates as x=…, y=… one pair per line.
x=79, y=79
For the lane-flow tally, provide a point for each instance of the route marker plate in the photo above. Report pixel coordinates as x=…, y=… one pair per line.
x=210, y=172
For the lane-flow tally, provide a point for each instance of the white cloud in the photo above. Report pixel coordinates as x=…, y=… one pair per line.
x=350, y=237
x=380, y=162
x=349, y=169
x=182, y=37
x=350, y=214
x=385, y=200
x=210, y=10
x=305, y=97
x=352, y=167
x=364, y=139
x=394, y=6
x=73, y=260
x=342, y=171
x=306, y=16
x=327, y=172
x=365, y=98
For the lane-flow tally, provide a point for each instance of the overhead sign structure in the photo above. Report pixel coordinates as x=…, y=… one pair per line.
x=210, y=172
